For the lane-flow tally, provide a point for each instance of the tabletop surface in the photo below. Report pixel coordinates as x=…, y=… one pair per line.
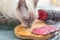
x=7, y=35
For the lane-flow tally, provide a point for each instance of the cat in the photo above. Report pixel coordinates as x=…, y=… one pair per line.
x=21, y=10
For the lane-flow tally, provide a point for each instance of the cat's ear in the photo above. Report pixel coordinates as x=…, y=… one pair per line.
x=31, y=5
x=20, y=3
x=35, y=3
x=50, y=22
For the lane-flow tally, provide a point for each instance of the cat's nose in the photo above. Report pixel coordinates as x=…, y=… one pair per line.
x=28, y=25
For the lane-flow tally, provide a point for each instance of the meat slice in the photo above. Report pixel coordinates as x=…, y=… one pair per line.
x=51, y=28
x=40, y=31
x=44, y=30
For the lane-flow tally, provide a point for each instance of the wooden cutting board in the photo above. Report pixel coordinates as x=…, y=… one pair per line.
x=22, y=32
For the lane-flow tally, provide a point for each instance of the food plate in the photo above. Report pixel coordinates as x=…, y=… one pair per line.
x=25, y=33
